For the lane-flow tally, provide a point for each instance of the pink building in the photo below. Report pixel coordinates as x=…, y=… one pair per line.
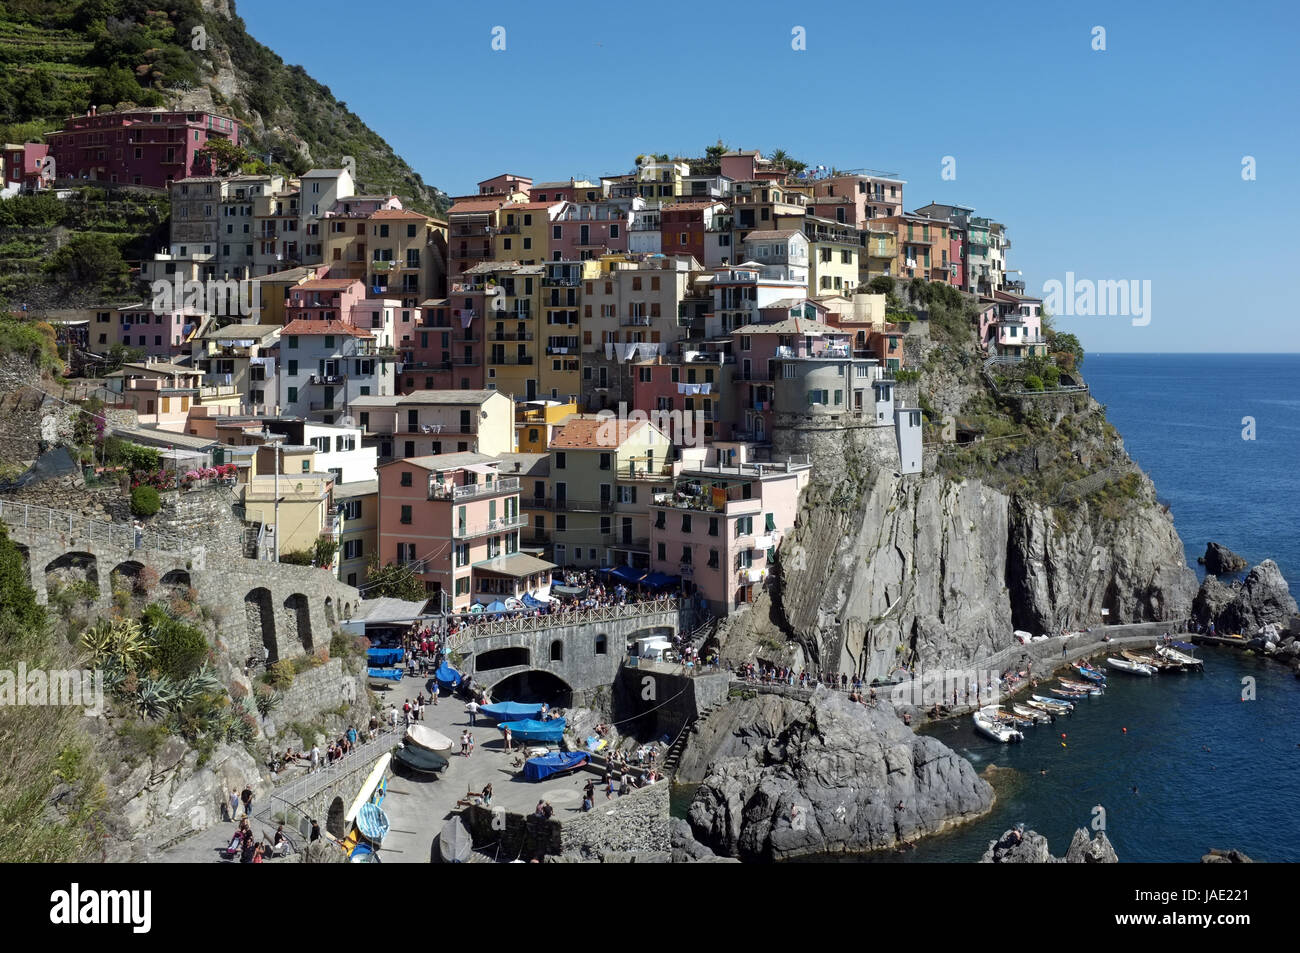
x=720, y=526
x=22, y=165
x=149, y=147
x=157, y=333
x=454, y=521
x=584, y=230
x=324, y=299
x=691, y=396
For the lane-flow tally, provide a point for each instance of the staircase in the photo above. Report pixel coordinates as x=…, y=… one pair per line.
x=673, y=756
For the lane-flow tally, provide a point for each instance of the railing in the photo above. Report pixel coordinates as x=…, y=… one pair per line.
x=45, y=520
x=526, y=622
x=557, y=282
x=586, y=506
x=511, y=335
x=508, y=485
x=491, y=526
x=330, y=379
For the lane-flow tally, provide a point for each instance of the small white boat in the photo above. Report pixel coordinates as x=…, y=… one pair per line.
x=1182, y=658
x=427, y=738
x=1038, y=715
x=988, y=724
x=1133, y=668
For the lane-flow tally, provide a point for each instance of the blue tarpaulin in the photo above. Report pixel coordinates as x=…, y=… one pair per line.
x=391, y=674
x=557, y=762
x=659, y=580
x=497, y=606
x=628, y=574
x=532, y=603
x=511, y=711
x=384, y=656
x=447, y=676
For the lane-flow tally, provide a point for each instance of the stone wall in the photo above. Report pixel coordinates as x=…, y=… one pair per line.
x=636, y=822
x=838, y=449
x=325, y=688
x=511, y=836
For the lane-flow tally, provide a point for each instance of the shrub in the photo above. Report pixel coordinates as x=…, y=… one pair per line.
x=280, y=674
x=179, y=650
x=145, y=501
x=1052, y=377
x=1033, y=382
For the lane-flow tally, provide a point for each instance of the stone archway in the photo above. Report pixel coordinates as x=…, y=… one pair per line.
x=534, y=686
x=259, y=613
x=177, y=582
x=130, y=574
x=73, y=569
x=298, y=615
x=334, y=818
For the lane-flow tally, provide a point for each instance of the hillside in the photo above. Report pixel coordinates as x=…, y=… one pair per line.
x=58, y=58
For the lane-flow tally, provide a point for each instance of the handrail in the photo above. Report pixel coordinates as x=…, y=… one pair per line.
x=532, y=623
x=32, y=517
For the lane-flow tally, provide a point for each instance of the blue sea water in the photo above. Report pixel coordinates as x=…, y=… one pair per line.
x=1182, y=417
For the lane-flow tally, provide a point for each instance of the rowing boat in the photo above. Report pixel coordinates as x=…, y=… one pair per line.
x=1056, y=702
x=1090, y=673
x=1091, y=688
x=1182, y=658
x=1037, y=714
x=1127, y=665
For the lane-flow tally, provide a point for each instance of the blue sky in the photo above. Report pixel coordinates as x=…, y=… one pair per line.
x=1122, y=164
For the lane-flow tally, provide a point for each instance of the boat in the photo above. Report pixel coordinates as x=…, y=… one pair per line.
x=1140, y=659
x=987, y=724
x=363, y=854
x=1037, y=714
x=1090, y=673
x=378, y=656
x=1016, y=719
x=422, y=737
x=510, y=711
x=1091, y=688
x=372, y=784
x=454, y=841
x=1052, y=702
x=447, y=676
x=384, y=677
x=549, y=765
x=1133, y=668
x=420, y=760
x=1046, y=709
x=1181, y=657
x=1068, y=693
x=529, y=729
x=372, y=822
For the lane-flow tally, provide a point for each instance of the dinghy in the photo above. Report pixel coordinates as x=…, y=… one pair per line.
x=454, y=841
x=1090, y=673
x=1133, y=668
x=427, y=738
x=372, y=822
x=549, y=765
x=1053, y=702
x=384, y=677
x=420, y=760
x=1089, y=688
x=1038, y=715
x=529, y=729
x=1182, y=658
x=987, y=724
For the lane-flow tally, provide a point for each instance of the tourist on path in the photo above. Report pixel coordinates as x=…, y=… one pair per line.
x=472, y=708
x=464, y=743
x=234, y=803
x=509, y=742
x=247, y=797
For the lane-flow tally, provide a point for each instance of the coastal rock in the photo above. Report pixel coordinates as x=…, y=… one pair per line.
x=1220, y=560
x=1029, y=847
x=687, y=850
x=838, y=776
x=1216, y=856
x=1263, y=599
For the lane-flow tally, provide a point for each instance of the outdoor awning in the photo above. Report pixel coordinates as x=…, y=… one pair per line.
x=628, y=574
x=569, y=590
x=496, y=606
x=659, y=580
x=516, y=564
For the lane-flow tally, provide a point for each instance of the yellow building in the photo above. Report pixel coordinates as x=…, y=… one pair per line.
x=536, y=421
x=604, y=473
x=524, y=233
x=560, y=328
x=512, y=298
x=396, y=252
x=358, y=531
x=879, y=253
x=833, y=256
x=305, y=510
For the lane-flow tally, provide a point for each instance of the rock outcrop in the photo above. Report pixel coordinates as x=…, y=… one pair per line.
x=1216, y=856
x=1220, y=560
x=1263, y=599
x=1030, y=847
x=942, y=572
x=836, y=777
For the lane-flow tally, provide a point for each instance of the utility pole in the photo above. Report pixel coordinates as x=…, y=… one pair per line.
x=275, y=440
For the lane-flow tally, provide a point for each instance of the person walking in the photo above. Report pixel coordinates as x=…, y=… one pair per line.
x=472, y=708
x=470, y=736
x=315, y=757
x=509, y=741
x=464, y=743
x=234, y=803
x=247, y=797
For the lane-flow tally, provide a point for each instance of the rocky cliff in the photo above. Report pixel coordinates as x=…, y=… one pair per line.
x=828, y=775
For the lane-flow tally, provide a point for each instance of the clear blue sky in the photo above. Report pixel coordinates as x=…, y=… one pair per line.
x=1115, y=165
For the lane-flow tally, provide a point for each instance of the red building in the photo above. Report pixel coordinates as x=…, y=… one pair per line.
x=682, y=226
x=148, y=147
x=22, y=164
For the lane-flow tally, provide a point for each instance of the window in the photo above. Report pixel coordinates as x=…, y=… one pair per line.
x=293, y=395
x=602, y=646
x=293, y=340
x=686, y=524
x=352, y=548
x=661, y=552
x=605, y=461
x=713, y=526
x=406, y=510
x=406, y=478
x=560, y=461
x=557, y=651
x=352, y=510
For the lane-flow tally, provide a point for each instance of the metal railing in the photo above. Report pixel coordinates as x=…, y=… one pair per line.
x=43, y=519
x=505, y=485
x=526, y=622
x=491, y=526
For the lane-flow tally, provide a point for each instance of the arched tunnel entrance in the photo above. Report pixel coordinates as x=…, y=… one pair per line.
x=534, y=686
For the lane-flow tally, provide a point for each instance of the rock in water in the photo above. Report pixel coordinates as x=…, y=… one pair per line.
x=1263, y=598
x=1216, y=856
x=1219, y=560
x=833, y=779
x=1030, y=847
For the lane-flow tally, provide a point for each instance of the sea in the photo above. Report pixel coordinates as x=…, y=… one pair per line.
x=1172, y=766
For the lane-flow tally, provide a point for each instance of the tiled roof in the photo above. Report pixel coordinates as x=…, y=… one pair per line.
x=304, y=327
x=330, y=284
x=477, y=205
x=592, y=433
x=771, y=234
x=396, y=213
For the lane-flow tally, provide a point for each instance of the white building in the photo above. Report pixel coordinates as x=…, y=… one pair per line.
x=325, y=365
x=339, y=452
x=320, y=189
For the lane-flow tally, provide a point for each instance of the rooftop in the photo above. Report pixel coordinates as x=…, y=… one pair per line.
x=304, y=327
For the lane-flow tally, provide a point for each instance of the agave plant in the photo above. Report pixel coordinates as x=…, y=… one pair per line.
x=156, y=695
x=268, y=702
x=202, y=682
x=121, y=639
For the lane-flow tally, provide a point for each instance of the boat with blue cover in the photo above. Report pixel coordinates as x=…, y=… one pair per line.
x=530, y=729
x=380, y=656
x=384, y=676
x=510, y=711
x=420, y=760
x=373, y=823
x=447, y=676
x=549, y=765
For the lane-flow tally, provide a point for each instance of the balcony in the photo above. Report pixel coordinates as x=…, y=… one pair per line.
x=326, y=379
x=634, y=321
x=414, y=565
x=491, y=526
x=559, y=281
x=510, y=336
x=473, y=491
x=508, y=230
x=525, y=361
x=584, y=506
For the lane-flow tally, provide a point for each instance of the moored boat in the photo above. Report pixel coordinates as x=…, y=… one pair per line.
x=1127, y=665
x=420, y=760
x=510, y=711
x=530, y=729
x=372, y=822
x=1053, y=702
x=988, y=724
x=1090, y=673
x=1037, y=714
x=556, y=762
x=1181, y=657
x=1089, y=688
x=422, y=737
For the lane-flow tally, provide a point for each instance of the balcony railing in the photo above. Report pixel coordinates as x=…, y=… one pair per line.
x=440, y=492
x=585, y=506
x=510, y=336
x=556, y=281
x=491, y=526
